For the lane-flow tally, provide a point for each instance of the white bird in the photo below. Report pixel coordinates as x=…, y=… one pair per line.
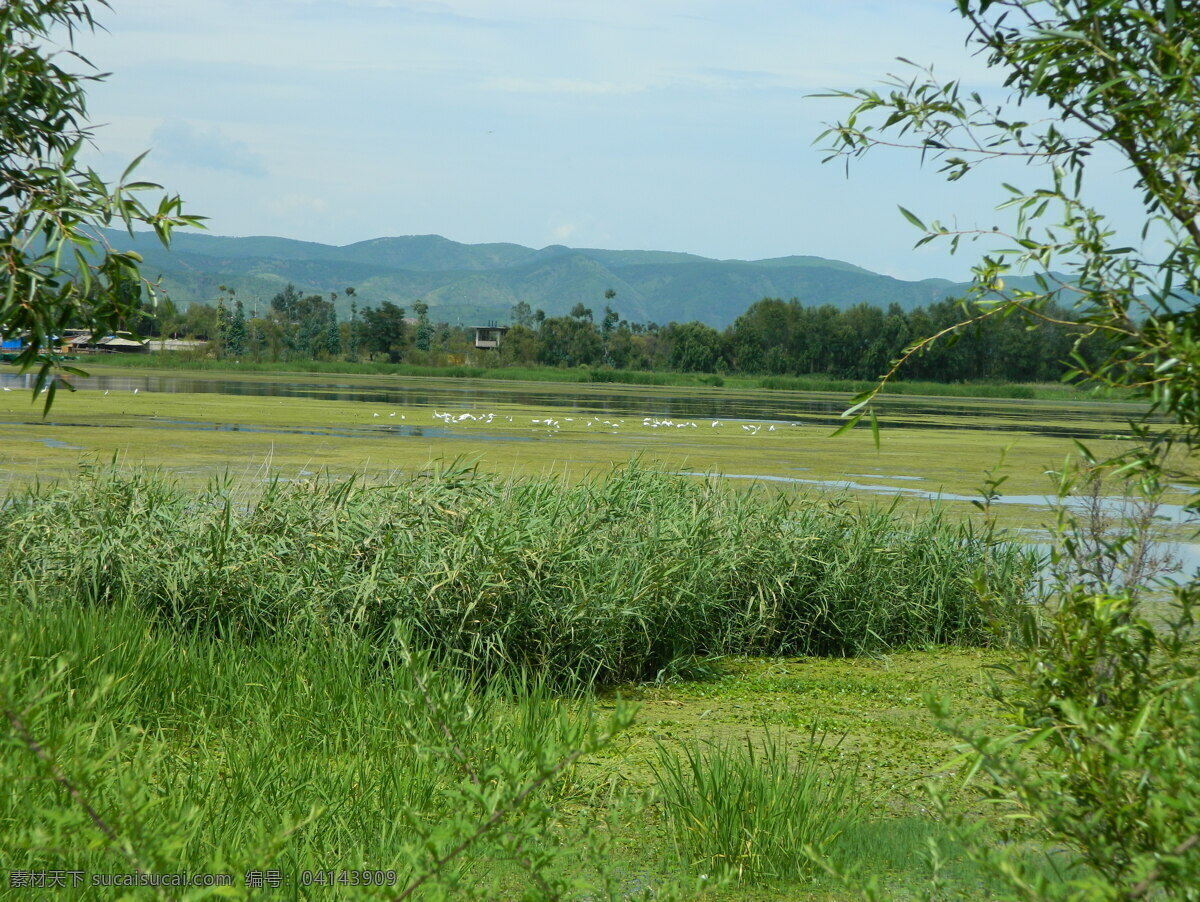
x=135, y=391
x=716, y=423
x=392, y=414
x=374, y=414
x=772, y=429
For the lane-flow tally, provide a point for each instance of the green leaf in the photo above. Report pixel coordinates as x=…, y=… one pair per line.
x=849, y=424
x=912, y=218
x=132, y=166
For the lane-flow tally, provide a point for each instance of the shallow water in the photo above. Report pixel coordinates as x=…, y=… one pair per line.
x=989, y=415
x=1166, y=514
x=399, y=431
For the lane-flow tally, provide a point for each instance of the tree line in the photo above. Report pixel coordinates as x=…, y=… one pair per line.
x=772, y=337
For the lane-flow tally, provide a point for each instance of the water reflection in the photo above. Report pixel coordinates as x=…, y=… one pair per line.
x=597, y=400
x=1115, y=506
x=339, y=432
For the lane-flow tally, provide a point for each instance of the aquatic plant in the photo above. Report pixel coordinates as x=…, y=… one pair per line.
x=750, y=810
x=603, y=581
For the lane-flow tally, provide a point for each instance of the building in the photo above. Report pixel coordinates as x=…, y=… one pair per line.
x=487, y=338
x=78, y=340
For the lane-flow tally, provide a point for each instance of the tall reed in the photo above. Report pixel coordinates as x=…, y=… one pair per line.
x=604, y=581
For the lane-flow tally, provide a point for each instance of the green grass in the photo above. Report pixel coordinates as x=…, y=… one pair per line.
x=240, y=755
x=345, y=674
x=198, y=434
x=610, y=580
x=325, y=751
x=812, y=382
x=751, y=811
x=216, y=670
x=1010, y=390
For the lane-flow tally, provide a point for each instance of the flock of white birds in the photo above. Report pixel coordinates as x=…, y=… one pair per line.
x=552, y=425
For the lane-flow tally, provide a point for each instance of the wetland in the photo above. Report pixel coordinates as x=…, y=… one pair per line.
x=709, y=569
x=199, y=424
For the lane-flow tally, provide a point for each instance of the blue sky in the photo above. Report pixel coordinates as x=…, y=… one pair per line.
x=657, y=124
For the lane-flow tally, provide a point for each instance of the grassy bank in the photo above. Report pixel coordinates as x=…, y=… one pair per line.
x=628, y=577
x=813, y=382
x=401, y=679
x=134, y=747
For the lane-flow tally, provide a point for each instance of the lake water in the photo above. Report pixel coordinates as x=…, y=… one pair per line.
x=1074, y=421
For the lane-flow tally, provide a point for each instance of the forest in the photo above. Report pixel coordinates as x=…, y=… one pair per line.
x=772, y=337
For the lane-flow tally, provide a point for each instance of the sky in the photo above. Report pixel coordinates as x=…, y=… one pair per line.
x=683, y=125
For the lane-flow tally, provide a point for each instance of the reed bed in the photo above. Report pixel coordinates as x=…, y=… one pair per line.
x=617, y=579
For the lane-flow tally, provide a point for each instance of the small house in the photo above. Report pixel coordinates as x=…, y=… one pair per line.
x=489, y=337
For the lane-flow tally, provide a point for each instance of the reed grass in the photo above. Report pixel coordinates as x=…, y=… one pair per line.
x=127, y=748
x=618, y=579
x=755, y=812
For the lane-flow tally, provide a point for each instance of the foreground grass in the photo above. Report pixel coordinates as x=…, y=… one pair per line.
x=133, y=749
x=324, y=752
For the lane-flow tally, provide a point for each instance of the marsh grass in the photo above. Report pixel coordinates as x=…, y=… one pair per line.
x=754, y=811
x=927, y=852
x=322, y=751
x=1014, y=390
x=133, y=749
x=614, y=580
x=814, y=382
x=291, y=676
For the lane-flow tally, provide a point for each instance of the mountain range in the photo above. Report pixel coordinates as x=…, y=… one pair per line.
x=475, y=283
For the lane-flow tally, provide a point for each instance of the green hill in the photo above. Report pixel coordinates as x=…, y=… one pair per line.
x=474, y=282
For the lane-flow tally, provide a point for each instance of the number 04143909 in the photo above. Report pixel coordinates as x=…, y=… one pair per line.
x=364, y=877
